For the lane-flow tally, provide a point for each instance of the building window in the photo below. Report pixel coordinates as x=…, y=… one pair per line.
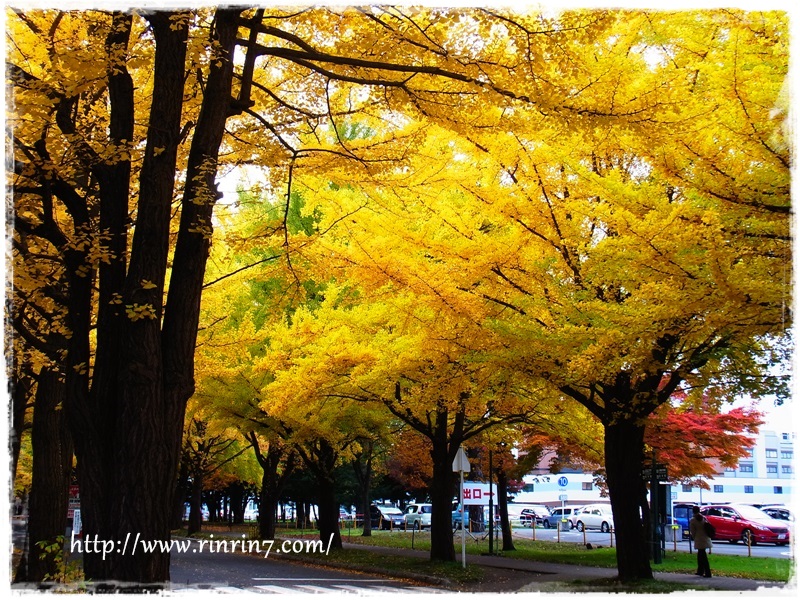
x=786, y=469
x=746, y=467
x=772, y=468
x=772, y=453
x=586, y=485
x=528, y=487
x=750, y=452
x=748, y=489
x=717, y=489
x=787, y=454
x=687, y=488
x=778, y=489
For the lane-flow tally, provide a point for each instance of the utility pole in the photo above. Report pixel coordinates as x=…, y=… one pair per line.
x=654, y=511
x=491, y=507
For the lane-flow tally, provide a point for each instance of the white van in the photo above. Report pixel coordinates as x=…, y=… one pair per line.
x=418, y=516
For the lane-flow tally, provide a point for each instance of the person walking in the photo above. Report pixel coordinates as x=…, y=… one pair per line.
x=701, y=541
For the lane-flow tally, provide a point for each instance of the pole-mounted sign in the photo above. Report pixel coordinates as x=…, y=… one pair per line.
x=461, y=465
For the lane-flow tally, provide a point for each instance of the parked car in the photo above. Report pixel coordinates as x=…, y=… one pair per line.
x=535, y=513
x=386, y=517
x=457, y=517
x=779, y=512
x=681, y=513
x=554, y=518
x=344, y=515
x=594, y=516
x=734, y=522
x=418, y=516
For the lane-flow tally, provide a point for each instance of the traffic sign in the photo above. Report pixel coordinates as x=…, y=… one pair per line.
x=562, y=481
x=74, y=501
x=461, y=464
x=477, y=494
x=661, y=472
x=562, y=498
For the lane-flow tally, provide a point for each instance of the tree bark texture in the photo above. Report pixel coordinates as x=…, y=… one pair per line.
x=20, y=386
x=196, y=505
x=51, y=475
x=624, y=453
x=182, y=491
x=502, y=503
x=362, y=466
x=128, y=430
x=441, y=493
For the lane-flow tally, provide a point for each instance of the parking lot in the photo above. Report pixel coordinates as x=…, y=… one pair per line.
x=598, y=539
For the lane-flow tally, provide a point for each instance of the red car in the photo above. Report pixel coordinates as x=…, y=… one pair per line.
x=734, y=522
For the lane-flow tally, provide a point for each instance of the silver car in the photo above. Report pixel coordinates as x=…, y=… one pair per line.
x=595, y=516
x=557, y=514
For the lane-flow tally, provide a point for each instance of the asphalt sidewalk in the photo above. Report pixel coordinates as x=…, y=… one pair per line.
x=542, y=573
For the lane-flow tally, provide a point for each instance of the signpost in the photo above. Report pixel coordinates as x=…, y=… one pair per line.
x=655, y=473
x=477, y=494
x=74, y=501
x=461, y=465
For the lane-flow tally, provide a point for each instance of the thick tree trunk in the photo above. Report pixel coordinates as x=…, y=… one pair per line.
x=267, y=506
x=212, y=501
x=363, y=470
x=273, y=481
x=19, y=393
x=128, y=435
x=237, y=501
x=624, y=452
x=502, y=502
x=475, y=518
x=364, y=508
x=321, y=461
x=182, y=491
x=52, y=470
x=441, y=493
x=329, y=514
x=196, y=505
x=142, y=482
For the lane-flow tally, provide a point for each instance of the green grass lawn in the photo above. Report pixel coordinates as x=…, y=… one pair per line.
x=767, y=569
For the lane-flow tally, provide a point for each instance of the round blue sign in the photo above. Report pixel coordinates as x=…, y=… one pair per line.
x=562, y=481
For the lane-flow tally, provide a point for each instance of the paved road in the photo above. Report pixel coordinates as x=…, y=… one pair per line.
x=235, y=573
x=597, y=538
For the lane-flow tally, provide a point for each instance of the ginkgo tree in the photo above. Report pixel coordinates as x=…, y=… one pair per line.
x=419, y=364
x=617, y=274
x=626, y=179
x=653, y=281
x=115, y=114
x=610, y=284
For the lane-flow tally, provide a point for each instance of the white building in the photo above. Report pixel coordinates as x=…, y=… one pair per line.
x=767, y=476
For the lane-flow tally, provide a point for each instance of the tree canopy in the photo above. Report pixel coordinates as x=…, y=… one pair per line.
x=462, y=215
